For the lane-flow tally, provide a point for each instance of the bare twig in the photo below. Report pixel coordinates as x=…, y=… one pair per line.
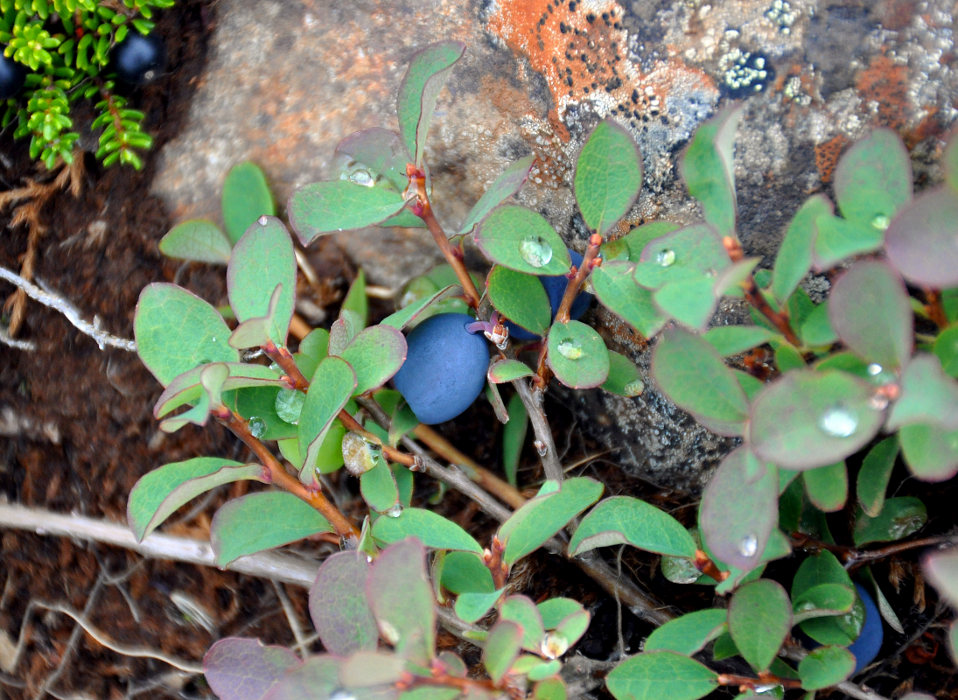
x=545, y=445
x=292, y=618
x=65, y=307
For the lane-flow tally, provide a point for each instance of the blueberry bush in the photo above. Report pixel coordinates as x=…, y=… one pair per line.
x=57, y=52
x=827, y=397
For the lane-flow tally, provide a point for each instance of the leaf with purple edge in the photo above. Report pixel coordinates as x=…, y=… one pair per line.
x=608, y=176
x=506, y=185
x=245, y=669
x=338, y=605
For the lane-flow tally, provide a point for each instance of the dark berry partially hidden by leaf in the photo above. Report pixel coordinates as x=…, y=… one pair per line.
x=139, y=60
x=555, y=287
x=869, y=642
x=445, y=368
x=12, y=76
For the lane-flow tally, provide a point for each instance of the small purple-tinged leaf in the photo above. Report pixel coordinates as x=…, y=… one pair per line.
x=873, y=179
x=260, y=521
x=928, y=396
x=338, y=606
x=619, y=293
x=159, y=493
x=198, y=240
x=402, y=601
x=627, y=520
x=427, y=73
x=521, y=610
x=380, y=151
x=343, y=331
x=709, y=171
x=942, y=570
x=317, y=676
x=884, y=338
x=655, y=675
x=825, y=666
x=930, y=451
x=689, y=301
x=375, y=354
x=506, y=185
x=794, y=258
x=922, y=241
x=258, y=331
x=740, y=509
x=212, y=379
x=624, y=377
x=577, y=355
x=873, y=477
x=245, y=669
x=378, y=487
x=690, y=253
x=520, y=297
x=502, y=371
x=367, y=669
x=501, y=648
x=827, y=487
x=432, y=529
x=188, y=386
x=522, y=240
x=339, y=205
x=608, y=176
x=759, y=618
x=332, y=385
x=246, y=197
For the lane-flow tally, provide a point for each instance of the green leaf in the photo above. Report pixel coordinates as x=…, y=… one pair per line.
x=824, y=600
x=928, y=396
x=356, y=300
x=693, y=252
x=827, y=487
x=709, y=171
x=946, y=348
x=693, y=375
x=375, y=354
x=246, y=197
x=262, y=260
x=338, y=606
x=660, y=674
x=919, y=241
x=374, y=152
x=501, y=649
x=618, y=292
x=522, y=611
x=520, y=297
x=732, y=340
x=825, y=666
x=188, y=387
x=608, y=176
x=837, y=239
x=260, y=521
x=402, y=601
x=513, y=437
x=543, y=516
x=808, y=419
x=506, y=185
x=689, y=301
x=873, y=179
x=820, y=568
x=624, y=378
x=885, y=338
x=872, y=481
x=739, y=509
x=162, y=313
x=417, y=311
x=759, y=618
x=430, y=528
x=794, y=258
x=343, y=331
x=339, y=205
x=577, y=355
x=502, y=371
x=331, y=387
x=627, y=520
x=464, y=572
x=816, y=328
x=521, y=239
x=427, y=72
x=209, y=391
x=471, y=606
x=631, y=245
x=902, y=516
x=199, y=240
x=689, y=633
x=246, y=668
x=378, y=487
x=930, y=451
x=157, y=494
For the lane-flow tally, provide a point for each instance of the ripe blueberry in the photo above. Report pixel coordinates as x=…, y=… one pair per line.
x=12, y=76
x=138, y=59
x=555, y=287
x=445, y=368
x=866, y=647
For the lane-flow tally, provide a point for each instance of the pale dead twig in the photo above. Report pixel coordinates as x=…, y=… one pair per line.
x=292, y=618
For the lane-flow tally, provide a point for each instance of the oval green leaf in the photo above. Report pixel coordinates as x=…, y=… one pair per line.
x=246, y=197
x=873, y=179
x=661, y=674
x=619, y=293
x=198, y=240
x=627, y=520
x=794, y=258
x=506, y=185
x=689, y=633
x=624, y=377
x=501, y=648
x=577, y=355
x=503, y=371
x=709, y=171
x=921, y=240
x=520, y=297
x=521, y=239
x=759, y=618
x=928, y=396
x=930, y=451
x=872, y=480
x=338, y=606
x=608, y=176
x=902, y=516
x=430, y=528
x=331, y=387
x=825, y=666
x=827, y=487
x=339, y=205
x=375, y=354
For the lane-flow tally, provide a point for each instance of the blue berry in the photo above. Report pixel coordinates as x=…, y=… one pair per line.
x=869, y=642
x=12, y=77
x=445, y=368
x=139, y=60
x=555, y=287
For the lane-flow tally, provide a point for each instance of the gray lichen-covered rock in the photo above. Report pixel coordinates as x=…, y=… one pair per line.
x=288, y=79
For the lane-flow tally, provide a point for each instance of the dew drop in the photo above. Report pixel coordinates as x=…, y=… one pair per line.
x=393, y=512
x=359, y=176
x=341, y=694
x=878, y=401
x=262, y=221
x=874, y=369
x=541, y=448
x=359, y=455
x=535, y=251
x=257, y=427
x=748, y=547
x=289, y=405
x=570, y=349
x=665, y=257
x=881, y=222
x=838, y=421
x=553, y=645
x=634, y=388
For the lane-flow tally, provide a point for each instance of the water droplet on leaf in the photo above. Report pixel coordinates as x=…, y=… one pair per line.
x=878, y=401
x=289, y=404
x=341, y=694
x=634, y=388
x=257, y=427
x=665, y=257
x=535, y=251
x=359, y=176
x=881, y=222
x=874, y=369
x=570, y=349
x=262, y=221
x=393, y=512
x=838, y=421
x=359, y=455
x=553, y=645
x=748, y=547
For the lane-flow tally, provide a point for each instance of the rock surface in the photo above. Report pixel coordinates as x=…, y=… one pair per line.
x=288, y=79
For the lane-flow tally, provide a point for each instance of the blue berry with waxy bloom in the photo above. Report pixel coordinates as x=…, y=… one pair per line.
x=555, y=287
x=12, y=76
x=139, y=60
x=869, y=642
x=445, y=368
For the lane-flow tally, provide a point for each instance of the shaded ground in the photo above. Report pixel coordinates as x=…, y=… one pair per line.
x=77, y=431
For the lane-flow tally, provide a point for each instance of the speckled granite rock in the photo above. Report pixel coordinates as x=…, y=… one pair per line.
x=289, y=78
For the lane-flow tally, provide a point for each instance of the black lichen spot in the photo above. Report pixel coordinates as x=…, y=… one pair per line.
x=748, y=74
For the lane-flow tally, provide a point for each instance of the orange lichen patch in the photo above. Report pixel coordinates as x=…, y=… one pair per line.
x=581, y=48
x=886, y=83
x=827, y=154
